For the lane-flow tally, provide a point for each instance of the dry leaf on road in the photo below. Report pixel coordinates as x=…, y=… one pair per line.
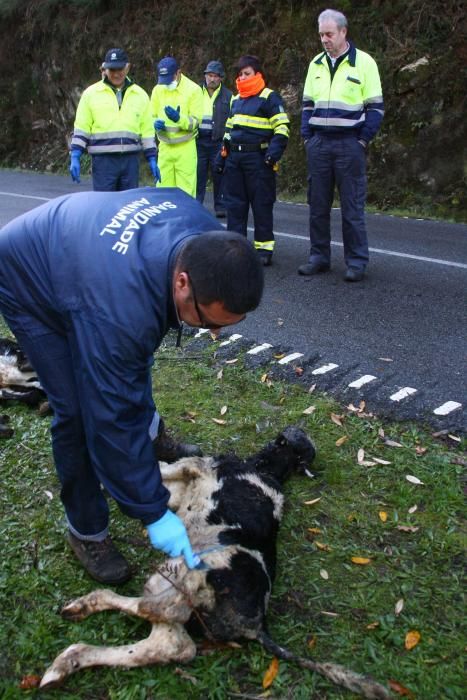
x=341, y=440
x=414, y=479
x=412, y=638
x=361, y=561
x=219, y=421
x=271, y=673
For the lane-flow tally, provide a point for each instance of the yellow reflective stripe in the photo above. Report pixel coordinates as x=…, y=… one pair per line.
x=264, y=245
x=282, y=129
x=265, y=93
x=174, y=139
x=256, y=122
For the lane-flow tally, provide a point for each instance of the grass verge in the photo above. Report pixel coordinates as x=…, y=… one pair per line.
x=407, y=535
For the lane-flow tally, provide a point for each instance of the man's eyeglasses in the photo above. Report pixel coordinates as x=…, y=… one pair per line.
x=202, y=319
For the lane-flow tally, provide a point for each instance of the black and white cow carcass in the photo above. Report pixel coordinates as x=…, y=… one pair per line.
x=18, y=381
x=232, y=510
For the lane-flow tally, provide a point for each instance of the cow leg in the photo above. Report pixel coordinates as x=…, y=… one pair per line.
x=166, y=643
x=99, y=600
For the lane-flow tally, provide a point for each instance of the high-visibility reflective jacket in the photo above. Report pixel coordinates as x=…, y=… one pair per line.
x=188, y=97
x=259, y=119
x=216, y=109
x=104, y=127
x=348, y=100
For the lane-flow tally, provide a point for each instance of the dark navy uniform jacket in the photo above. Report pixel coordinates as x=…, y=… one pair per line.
x=97, y=267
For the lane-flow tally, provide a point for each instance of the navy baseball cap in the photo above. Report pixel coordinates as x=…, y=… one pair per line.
x=215, y=67
x=115, y=59
x=166, y=69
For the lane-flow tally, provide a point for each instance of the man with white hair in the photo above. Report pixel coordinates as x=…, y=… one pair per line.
x=342, y=112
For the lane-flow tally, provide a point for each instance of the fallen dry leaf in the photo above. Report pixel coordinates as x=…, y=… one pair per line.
x=412, y=509
x=456, y=438
x=186, y=676
x=219, y=421
x=341, y=440
x=361, y=561
x=380, y=461
x=407, y=528
x=279, y=355
x=223, y=410
x=308, y=411
x=311, y=643
x=372, y=625
x=312, y=502
x=28, y=682
x=392, y=443
x=231, y=362
x=312, y=388
x=214, y=336
x=399, y=606
x=352, y=408
x=220, y=373
x=400, y=689
x=414, y=479
x=383, y=516
x=360, y=455
x=336, y=418
x=315, y=530
x=324, y=574
x=323, y=547
x=412, y=638
x=386, y=359
x=299, y=371
x=264, y=377
x=420, y=450
x=381, y=433
x=271, y=673
x=49, y=495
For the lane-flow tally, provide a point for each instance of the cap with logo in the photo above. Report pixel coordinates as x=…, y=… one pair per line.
x=215, y=67
x=166, y=69
x=115, y=59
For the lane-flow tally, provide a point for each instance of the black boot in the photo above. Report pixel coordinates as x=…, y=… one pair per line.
x=102, y=560
x=169, y=450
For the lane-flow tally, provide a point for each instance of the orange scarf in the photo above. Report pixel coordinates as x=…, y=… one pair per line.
x=251, y=86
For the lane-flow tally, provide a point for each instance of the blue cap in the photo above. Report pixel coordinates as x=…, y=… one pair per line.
x=115, y=59
x=166, y=69
x=215, y=67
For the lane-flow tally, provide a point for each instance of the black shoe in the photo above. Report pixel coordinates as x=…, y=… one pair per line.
x=313, y=269
x=266, y=259
x=102, y=560
x=169, y=450
x=221, y=213
x=354, y=274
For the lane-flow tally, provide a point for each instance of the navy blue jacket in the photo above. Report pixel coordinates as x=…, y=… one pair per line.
x=99, y=265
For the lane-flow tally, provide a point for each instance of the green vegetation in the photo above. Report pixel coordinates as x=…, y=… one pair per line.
x=323, y=604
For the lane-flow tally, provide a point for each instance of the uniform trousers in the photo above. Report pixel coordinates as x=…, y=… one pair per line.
x=207, y=151
x=114, y=173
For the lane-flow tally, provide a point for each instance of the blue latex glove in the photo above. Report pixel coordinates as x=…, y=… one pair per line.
x=169, y=535
x=75, y=166
x=173, y=114
x=156, y=173
x=159, y=125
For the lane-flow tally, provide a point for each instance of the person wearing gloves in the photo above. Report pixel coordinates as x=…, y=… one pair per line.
x=177, y=110
x=90, y=283
x=256, y=136
x=113, y=123
x=216, y=108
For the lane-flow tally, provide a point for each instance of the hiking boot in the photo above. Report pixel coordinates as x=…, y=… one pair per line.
x=102, y=560
x=169, y=450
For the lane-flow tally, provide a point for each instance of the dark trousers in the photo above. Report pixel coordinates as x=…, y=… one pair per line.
x=248, y=181
x=207, y=150
x=51, y=353
x=114, y=173
x=337, y=161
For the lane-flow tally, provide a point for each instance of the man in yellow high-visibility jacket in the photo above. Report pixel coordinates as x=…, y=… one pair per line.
x=342, y=111
x=177, y=108
x=113, y=122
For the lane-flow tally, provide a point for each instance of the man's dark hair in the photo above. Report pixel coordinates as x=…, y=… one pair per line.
x=223, y=266
x=252, y=61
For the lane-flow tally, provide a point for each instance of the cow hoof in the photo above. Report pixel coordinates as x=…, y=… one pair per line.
x=75, y=611
x=64, y=665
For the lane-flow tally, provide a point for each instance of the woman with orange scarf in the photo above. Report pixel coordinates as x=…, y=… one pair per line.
x=257, y=132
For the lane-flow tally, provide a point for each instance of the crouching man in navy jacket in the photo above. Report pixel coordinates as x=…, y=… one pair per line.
x=90, y=283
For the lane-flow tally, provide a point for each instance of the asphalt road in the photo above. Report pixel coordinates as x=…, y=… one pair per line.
x=399, y=337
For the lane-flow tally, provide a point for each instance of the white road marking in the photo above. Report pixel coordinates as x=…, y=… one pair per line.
x=26, y=196
x=382, y=251
x=201, y=332
x=259, y=348
x=325, y=368
x=289, y=358
x=403, y=393
x=366, y=379
x=231, y=339
x=447, y=407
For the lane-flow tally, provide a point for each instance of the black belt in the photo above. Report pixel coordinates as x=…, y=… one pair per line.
x=248, y=147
